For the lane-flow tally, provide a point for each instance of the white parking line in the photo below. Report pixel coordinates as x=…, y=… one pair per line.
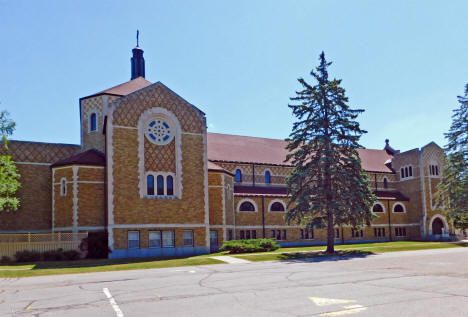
x=113, y=303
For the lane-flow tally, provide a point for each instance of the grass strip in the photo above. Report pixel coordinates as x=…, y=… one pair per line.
x=104, y=265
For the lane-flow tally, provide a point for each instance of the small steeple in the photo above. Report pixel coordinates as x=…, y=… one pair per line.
x=137, y=61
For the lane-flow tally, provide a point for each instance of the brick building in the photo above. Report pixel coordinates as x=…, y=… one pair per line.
x=148, y=173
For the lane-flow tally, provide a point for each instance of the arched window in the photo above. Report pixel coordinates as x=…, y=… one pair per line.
x=92, y=122
x=160, y=184
x=277, y=206
x=398, y=208
x=150, y=185
x=247, y=206
x=377, y=208
x=267, y=177
x=238, y=176
x=170, y=185
x=385, y=182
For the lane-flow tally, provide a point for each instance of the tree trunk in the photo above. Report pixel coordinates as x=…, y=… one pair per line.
x=330, y=233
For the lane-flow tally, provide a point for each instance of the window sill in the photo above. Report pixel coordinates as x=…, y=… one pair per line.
x=160, y=197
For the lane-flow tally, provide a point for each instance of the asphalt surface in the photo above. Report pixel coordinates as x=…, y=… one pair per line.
x=413, y=283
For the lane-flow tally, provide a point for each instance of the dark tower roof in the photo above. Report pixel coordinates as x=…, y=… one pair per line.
x=137, y=61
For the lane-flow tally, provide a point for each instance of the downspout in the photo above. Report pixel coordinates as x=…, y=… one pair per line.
x=389, y=221
x=263, y=216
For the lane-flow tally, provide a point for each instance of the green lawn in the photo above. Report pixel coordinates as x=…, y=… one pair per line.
x=101, y=265
x=348, y=249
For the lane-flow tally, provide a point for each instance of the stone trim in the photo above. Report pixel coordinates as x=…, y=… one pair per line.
x=402, y=205
x=76, y=165
x=125, y=127
x=423, y=194
x=277, y=201
x=110, y=180
x=381, y=205
x=157, y=225
x=75, y=198
x=205, y=189
x=144, y=117
x=250, y=201
x=415, y=224
x=444, y=221
x=53, y=200
x=33, y=163
x=223, y=200
x=84, y=228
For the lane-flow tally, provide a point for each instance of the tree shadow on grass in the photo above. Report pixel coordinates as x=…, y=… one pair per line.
x=322, y=256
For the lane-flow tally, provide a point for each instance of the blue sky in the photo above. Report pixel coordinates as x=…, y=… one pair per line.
x=404, y=62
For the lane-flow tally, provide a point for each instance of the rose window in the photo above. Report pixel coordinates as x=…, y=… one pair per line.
x=159, y=132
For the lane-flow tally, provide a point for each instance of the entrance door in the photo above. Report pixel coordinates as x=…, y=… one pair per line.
x=214, y=241
x=437, y=226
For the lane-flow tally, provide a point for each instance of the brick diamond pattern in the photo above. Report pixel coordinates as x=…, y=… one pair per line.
x=39, y=152
x=129, y=110
x=160, y=157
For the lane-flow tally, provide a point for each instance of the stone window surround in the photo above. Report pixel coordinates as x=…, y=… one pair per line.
x=276, y=201
x=437, y=169
x=412, y=172
x=90, y=113
x=164, y=175
x=402, y=205
x=144, y=118
x=63, y=186
x=247, y=200
x=381, y=205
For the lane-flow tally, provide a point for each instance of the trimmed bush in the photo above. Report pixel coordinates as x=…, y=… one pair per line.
x=250, y=245
x=27, y=256
x=5, y=259
x=71, y=255
x=54, y=255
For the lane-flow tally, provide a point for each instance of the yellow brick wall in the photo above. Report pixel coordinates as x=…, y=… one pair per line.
x=63, y=205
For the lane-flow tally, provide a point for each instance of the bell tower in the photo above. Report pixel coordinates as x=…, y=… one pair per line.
x=138, y=61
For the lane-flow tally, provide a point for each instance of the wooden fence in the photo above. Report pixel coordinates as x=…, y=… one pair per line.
x=41, y=242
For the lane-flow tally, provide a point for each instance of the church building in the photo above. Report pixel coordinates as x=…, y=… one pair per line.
x=149, y=174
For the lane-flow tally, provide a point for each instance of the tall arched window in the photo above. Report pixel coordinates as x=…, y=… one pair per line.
x=267, y=177
x=150, y=185
x=160, y=184
x=63, y=187
x=385, y=182
x=238, y=176
x=170, y=185
x=93, y=122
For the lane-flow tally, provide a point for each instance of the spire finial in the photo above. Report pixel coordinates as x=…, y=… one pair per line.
x=138, y=35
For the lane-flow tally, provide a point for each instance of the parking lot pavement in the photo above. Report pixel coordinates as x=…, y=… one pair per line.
x=413, y=283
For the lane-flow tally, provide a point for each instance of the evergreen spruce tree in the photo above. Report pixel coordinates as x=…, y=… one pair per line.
x=9, y=175
x=453, y=189
x=328, y=186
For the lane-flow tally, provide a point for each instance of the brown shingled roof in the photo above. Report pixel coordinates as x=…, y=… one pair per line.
x=89, y=157
x=125, y=88
x=247, y=149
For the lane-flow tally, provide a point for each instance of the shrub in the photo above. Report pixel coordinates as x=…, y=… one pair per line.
x=250, y=245
x=54, y=255
x=5, y=259
x=95, y=245
x=71, y=255
x=27, y=256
